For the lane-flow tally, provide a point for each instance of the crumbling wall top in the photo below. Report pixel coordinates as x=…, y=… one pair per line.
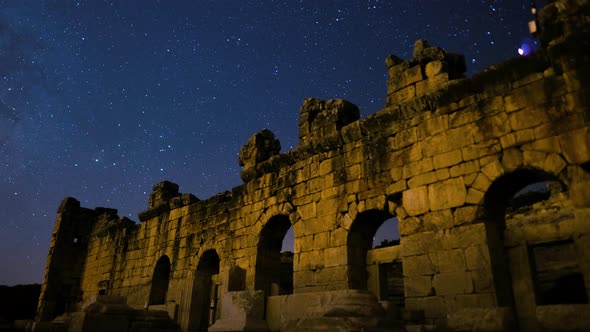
x=319, y=119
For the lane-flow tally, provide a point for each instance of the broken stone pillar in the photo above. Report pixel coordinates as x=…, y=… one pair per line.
x=259, y=148
x=431, y=69
x=161, y=193
x=164, y=196
x=320, y=119
x=241, y=311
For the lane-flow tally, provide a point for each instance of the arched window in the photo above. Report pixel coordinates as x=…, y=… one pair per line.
x=274, y=259
x=518, y=189
x=160, y=281
x=556, y=274
x=387, y=234
x=204, y=299
x=359, y=242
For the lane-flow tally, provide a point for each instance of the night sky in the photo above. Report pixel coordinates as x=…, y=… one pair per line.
x=99, y=100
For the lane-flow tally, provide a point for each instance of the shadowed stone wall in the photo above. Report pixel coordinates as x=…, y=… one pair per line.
x=445, y=156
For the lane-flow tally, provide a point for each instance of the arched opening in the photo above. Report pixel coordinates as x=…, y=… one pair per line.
x=387, y=234
x=557, y=277
x=160, y=281
x=205, y=294
x=516, y=190
x=274, y=258
x=360, y=240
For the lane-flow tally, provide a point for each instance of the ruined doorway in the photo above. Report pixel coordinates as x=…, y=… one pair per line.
x=205, y=297
x=511, y=192
x=274, y=258
x=360, y=240
x=160, y=280
x=537, y=269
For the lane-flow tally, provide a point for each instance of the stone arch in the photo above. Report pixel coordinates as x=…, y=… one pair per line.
x=273, y=274
x=160, y=281
x=501, y=191
x=204, y=297
x=359, y=240
x=497, y=199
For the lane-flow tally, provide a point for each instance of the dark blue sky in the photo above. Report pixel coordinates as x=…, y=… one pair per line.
x=100, y=100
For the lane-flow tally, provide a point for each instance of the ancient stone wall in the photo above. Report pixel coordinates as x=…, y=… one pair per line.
x=445, y=156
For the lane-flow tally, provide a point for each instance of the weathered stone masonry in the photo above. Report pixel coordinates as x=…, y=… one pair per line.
x=445, y=156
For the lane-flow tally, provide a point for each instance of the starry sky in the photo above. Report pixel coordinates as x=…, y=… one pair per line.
x=99, y=100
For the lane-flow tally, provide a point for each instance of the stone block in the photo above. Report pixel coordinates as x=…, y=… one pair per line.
x=554, y=163
x=402, y=95
x=442, y=219
x=415, y=201
x=420, y=243
x=451, y=261
x=422, y=179
x=396, y=173
x=433, y=126
x=418, y=286
x=338, y=237
x=453, y=283
x=419, y=265
x=432, y=84
x=449, y=140
x=474, y=196
x=418, y=167
x=396, y=187
x=410, y=225
x=512, y=159
x=534, y=158
x=260, y=147
x=307, y=211
x=482, y=281
x=477, y=257
x=466, y=214
x=434, y=68
x=447, y=159
x=406, y=137
x=447, y=194
x=493, y=170
x=548, y=145
x=465, y=168
x=481, y=183
x=413, y=75
x=443, y=174
x=526, y=118
x=464, y=236
x=576, y=146
x=321, y=240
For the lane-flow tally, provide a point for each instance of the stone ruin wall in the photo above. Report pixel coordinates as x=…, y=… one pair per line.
x=442, y=156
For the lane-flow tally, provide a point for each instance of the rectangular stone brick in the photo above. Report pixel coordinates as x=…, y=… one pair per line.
x=419, y=265
x=453, y=283
x=437, y=220
x=451, y=261
x=422, y=179
x=415, y=201
x=447, y=194
x=526, y=118
x=413, y=75
x=418, y=167
x=447, y=159
x=465, y=168
x=418, y=286
x=449, y=140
